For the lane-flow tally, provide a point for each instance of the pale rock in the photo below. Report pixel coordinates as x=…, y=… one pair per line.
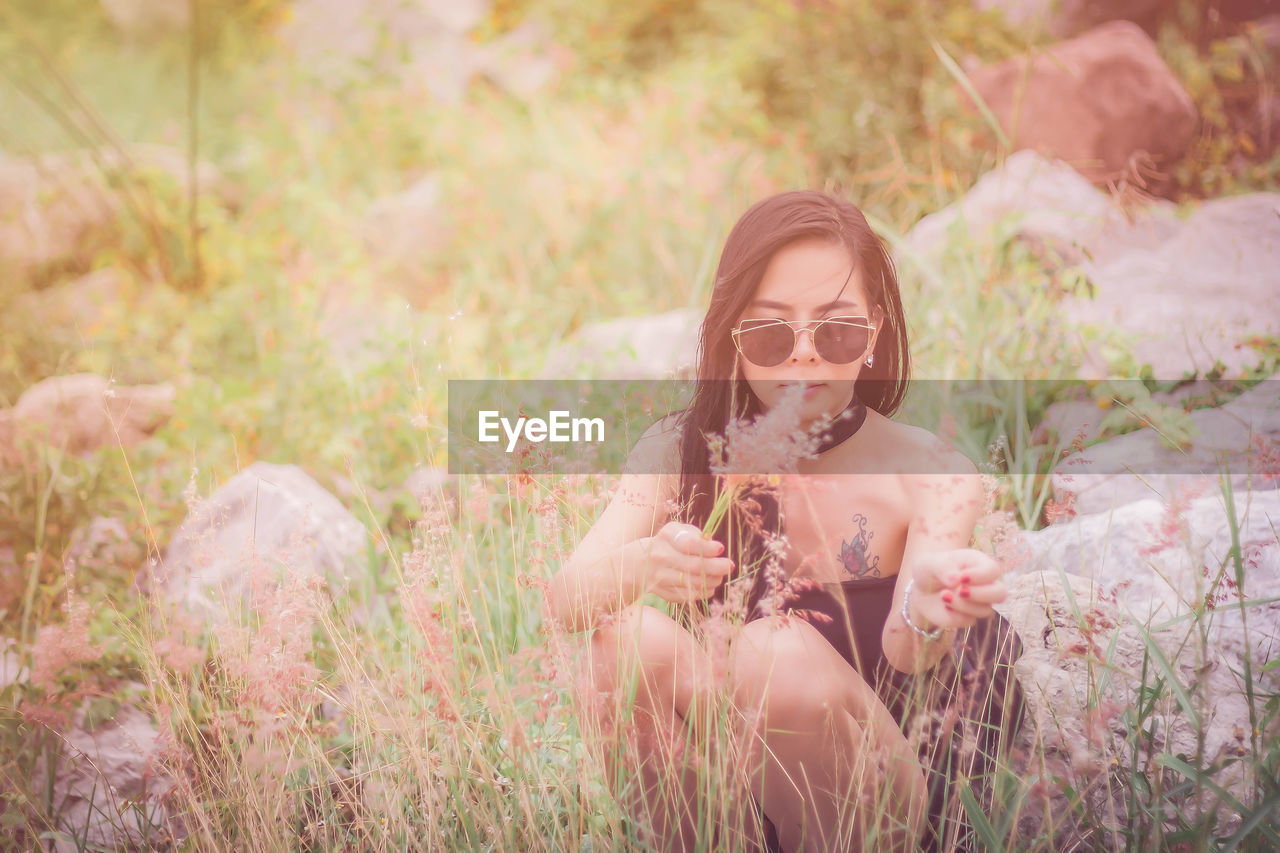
x=101, y=772
x=1039, y=201
x=146, y=17
x=82, y=412
x=265, y=518
x=1198, y=297
x=1137, y=465
x=1080, y=672
x=1163, y=561
x=655, y=346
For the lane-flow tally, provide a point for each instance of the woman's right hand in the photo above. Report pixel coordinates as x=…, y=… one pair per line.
x=681, y=565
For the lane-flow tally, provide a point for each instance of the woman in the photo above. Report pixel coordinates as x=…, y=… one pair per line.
x=805, y=312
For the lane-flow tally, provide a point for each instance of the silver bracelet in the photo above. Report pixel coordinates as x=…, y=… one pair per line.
x=906, y=600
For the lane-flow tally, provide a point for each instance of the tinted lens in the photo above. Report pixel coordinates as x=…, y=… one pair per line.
x=840, y=343
x=766, y=346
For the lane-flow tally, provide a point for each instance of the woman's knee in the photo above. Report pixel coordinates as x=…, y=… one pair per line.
x=773, y=670
x=636, y=638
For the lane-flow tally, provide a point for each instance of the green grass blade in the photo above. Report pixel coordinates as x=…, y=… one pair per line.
x=965, y=83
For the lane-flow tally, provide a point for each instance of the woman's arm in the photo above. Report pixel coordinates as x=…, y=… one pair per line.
x=936, y=556
x=602, y=574
x=632, y=549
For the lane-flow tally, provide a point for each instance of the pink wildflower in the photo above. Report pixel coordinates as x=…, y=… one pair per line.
x=1066, y=510
x=1171, y=529
x=773, y=443
x=1264, y=459
x=60, y=646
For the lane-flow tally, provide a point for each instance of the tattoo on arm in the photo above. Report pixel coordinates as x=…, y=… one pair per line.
x=855, y=556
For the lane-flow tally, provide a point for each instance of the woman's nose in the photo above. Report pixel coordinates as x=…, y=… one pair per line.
x=804, y=349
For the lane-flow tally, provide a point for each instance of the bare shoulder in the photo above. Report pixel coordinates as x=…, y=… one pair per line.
x=919, y=452
x=657, y=450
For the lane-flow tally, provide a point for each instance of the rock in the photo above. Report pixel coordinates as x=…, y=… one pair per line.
x=1069, y=420
x=78, y=304
x=147, y=17
x=1161, y=561
x=100, y=772
x=1205, y=291
x=1042, y=202
x=1065, y=18
x=1094, y=101
x=1079, y=673
x=655, y=346
x=1140, y=464
x=404, y=230
x=82, y=412
x=427, y=44
x=264, y=517
x=57, y=210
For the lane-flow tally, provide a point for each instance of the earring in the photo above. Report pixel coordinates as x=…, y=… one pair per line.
x=870, y=358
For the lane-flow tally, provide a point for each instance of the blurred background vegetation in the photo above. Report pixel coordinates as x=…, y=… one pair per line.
x=608, y=192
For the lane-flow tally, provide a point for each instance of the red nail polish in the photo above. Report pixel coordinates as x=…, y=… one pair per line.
x=964, y=578
x=964, y=593
x=946, y=596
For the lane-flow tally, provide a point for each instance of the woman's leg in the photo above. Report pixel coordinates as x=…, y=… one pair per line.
x=645, y=650
x=821, y=746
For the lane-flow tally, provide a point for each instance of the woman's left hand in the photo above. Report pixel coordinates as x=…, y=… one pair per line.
x=955, y=589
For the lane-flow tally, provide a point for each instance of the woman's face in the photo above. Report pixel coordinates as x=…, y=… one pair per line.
x=805, y=282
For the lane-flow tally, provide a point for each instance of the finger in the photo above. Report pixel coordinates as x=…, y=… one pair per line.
x=989, y=593
x=945, y=616
x=972, y=567
x=689, y=540
x=965, y=606
x=706, y=567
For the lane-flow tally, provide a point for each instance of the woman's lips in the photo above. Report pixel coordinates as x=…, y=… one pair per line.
x=810, y=387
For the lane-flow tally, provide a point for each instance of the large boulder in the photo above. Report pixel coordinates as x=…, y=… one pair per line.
x=1081, y=673
x=264, y=518
x=655, y=346
x=1203, y=296
x=82, y=412
x=1165, y=561
x=1186, y=295
x=1234, y=439
x=107, y=780
x=1095, y=101
x=1041, y=202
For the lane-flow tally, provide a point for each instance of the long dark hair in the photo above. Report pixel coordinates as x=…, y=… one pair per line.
x=768, y=226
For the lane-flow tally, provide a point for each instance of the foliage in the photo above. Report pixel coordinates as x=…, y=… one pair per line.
x=438, y=718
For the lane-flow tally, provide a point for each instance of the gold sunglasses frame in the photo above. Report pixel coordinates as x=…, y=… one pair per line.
x=811, y=327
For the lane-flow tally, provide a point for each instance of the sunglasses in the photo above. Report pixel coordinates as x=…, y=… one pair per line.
x=768, y=342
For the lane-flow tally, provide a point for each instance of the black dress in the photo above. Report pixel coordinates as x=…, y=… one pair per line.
x=970, y=692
